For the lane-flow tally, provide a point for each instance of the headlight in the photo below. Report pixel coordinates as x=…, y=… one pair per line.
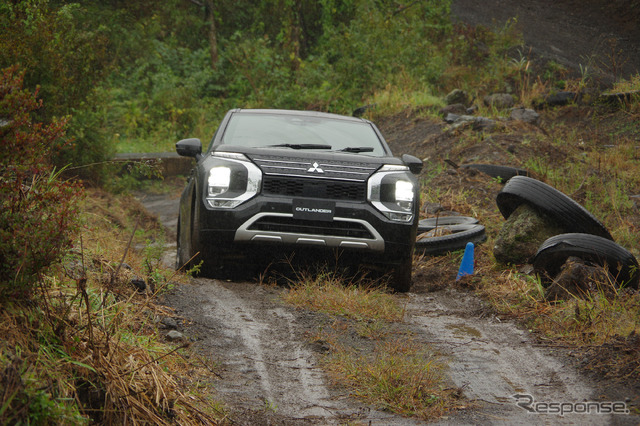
x=233, y=182
x=219, y=179
x=393, y=193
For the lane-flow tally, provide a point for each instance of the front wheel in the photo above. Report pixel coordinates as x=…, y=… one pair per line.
x=184, y=252
x=401, y=275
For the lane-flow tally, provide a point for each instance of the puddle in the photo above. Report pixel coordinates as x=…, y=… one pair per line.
x=463, y=330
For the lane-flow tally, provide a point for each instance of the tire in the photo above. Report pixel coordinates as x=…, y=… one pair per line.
x=504, y=173
x=566, y=212
x=472, y=233
x=179, y=255
x=401, y=275
x=425, y=225
x=553, y=253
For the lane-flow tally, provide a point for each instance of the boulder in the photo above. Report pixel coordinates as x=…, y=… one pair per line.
x=522, y=234
x=457, y=96
x=579, y=279
x=499, y=100
x=456, y=109
x=525, y=114
x=560, y=98
x=484, y=124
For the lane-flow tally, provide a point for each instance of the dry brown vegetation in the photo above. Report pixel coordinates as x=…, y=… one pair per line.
x=90, y=350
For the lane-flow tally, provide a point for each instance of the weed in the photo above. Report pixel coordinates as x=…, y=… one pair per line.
x=329, y=293
x=399, y=376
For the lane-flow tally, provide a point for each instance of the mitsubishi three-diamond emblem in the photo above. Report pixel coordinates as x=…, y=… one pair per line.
x=315, y=168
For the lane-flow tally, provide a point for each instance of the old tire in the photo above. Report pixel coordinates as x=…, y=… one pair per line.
x=425, y=225
x=504, y=173
x=570, y=215
x=457, y=240
x=553, y=253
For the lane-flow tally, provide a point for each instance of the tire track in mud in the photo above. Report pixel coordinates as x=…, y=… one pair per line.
x=492, y=361
x=268, y=371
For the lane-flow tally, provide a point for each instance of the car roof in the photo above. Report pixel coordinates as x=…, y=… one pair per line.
x=300, y=113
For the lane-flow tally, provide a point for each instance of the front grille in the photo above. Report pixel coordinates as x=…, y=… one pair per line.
x=305, y=167
x=336, y=228
x=314, y=188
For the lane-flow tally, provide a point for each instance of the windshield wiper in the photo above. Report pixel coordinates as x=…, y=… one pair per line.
x=301, y=146
x=358, y=149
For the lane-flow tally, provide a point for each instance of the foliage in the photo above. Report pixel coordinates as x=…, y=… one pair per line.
x=62, y=51
x=39, y=208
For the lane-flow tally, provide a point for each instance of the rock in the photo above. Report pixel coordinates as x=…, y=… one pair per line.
x=522, y=234
x=457, y=109
x=174, y=336
x=457, y=96
x=619, y=98
x=472, y=110
x=169, y=323
x=451, y=118
x=139, y=284
x=461, y=121
x=499, y=100
x=525, y=114
x=560, y=98
x=432, y=208
x=578, y=279
x=484, y=124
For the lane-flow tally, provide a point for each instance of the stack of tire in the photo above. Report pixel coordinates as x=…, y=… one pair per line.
x=586, y=238
x=441, y=235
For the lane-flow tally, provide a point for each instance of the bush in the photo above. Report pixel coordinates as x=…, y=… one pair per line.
x=38, y=209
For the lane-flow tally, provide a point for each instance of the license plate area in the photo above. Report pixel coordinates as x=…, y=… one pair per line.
x=314, y=210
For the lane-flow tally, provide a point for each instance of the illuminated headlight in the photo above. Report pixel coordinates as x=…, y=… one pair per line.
x=393, y=194
x=219, y=179
x=404, y=195
x=233, y=182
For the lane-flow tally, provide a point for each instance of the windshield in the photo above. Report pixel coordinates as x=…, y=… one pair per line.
x=302, y=132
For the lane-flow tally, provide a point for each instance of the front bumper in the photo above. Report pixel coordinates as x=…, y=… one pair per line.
x=355, y=226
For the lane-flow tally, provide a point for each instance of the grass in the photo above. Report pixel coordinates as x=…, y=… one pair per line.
x=396, y=373
x=329, y=293
x=398, y=376
x=90, y=351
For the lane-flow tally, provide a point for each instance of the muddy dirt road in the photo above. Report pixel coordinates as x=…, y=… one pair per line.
x=268, y=363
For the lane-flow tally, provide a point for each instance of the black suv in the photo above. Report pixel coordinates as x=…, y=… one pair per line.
x=287, y=179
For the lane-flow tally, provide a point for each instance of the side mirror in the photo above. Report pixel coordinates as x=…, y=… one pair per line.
x=191, y=147
x=414, y=163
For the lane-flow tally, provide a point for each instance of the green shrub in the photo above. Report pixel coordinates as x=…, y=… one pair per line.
x=38, y=209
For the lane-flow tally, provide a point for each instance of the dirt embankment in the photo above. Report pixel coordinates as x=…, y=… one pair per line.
x=602, y=37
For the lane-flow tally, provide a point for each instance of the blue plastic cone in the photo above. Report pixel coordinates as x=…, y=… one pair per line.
x=466, y=266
